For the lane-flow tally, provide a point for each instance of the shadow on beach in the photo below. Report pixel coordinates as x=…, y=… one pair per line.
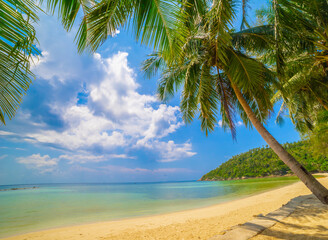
x=308, y=221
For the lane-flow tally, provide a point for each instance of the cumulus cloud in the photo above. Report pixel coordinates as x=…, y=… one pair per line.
x=116, y=115
x=84, y=130
x=170, y=151
x=42, y=163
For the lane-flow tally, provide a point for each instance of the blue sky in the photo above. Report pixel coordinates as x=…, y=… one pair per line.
x=95, y=118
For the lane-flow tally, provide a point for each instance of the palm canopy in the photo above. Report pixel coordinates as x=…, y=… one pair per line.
x=152, y=21
x=209, y=69
x=17, y=39
x=294, y=44
x=157, y=23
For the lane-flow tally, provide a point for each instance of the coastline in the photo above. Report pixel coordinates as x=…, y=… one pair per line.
x=319, y=174
x=201, y=223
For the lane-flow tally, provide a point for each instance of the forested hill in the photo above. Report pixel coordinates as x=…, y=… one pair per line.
x=261, y=162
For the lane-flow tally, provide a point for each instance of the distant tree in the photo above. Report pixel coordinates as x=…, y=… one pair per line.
x=319, y=136
x=262, y=162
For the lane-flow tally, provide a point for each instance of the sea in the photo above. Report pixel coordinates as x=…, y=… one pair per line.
x=56, y=205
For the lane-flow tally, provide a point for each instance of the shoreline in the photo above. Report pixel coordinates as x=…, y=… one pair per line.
x=146, y=216
x=318, y=174
x=200, y=223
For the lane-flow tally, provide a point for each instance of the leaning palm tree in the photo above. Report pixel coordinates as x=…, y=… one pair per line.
x=218, y=79
x=193, y=43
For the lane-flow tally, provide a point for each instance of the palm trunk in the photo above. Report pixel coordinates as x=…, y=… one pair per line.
x=316, y=188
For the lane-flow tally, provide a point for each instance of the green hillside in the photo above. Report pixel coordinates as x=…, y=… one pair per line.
x=261, y=162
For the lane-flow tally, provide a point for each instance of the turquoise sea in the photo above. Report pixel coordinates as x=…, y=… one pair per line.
x=56, y=205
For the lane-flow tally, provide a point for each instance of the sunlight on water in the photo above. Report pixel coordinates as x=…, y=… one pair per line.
x=56, y=205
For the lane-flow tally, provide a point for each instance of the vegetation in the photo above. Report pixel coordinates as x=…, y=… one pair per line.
x=220, y=71
x=319, y=136
x=262, y=162
x=17, y=36
x=220, y=78
x=298, y=55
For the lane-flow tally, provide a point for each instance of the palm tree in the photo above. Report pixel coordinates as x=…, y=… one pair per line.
x=194, y=49
x=216, y=76
x=17, y=41
x=299, y=56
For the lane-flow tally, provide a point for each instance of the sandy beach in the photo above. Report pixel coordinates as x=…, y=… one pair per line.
x=200, y=223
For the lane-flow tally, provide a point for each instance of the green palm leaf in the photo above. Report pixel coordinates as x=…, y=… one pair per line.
x=17, y=39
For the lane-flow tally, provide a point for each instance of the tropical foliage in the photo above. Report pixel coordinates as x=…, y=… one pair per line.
x=209, y=70
x=297, y=52
x=262, y=162
x=17, y=36
x=153, y=22
x=221, y=72
x=219, y=77
x=319, y=136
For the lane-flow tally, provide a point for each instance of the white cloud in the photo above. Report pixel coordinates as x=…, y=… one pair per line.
x=123, y=156
x=238, y=124
x=83, y=158
x=39, y=59
x=47, y=164
x=116, y=115
x=87, y=158
x=5, y=133
x=36, y=161
x=116, y=33
x=170, y=151
x=3, y=156
x=84, y=130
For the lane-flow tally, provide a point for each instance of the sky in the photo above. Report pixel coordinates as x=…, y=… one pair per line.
x=95, y=118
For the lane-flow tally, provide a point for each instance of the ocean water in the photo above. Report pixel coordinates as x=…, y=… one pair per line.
x=57, y=205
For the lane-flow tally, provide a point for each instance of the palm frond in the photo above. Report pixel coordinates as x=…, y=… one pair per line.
x=17, y=47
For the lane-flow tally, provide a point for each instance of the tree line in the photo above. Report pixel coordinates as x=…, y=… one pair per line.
x=263, y=162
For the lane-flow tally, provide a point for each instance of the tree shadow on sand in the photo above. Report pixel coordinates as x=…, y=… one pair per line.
x=309, y=221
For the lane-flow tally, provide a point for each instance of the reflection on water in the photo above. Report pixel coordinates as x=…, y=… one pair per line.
x=55, y=205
